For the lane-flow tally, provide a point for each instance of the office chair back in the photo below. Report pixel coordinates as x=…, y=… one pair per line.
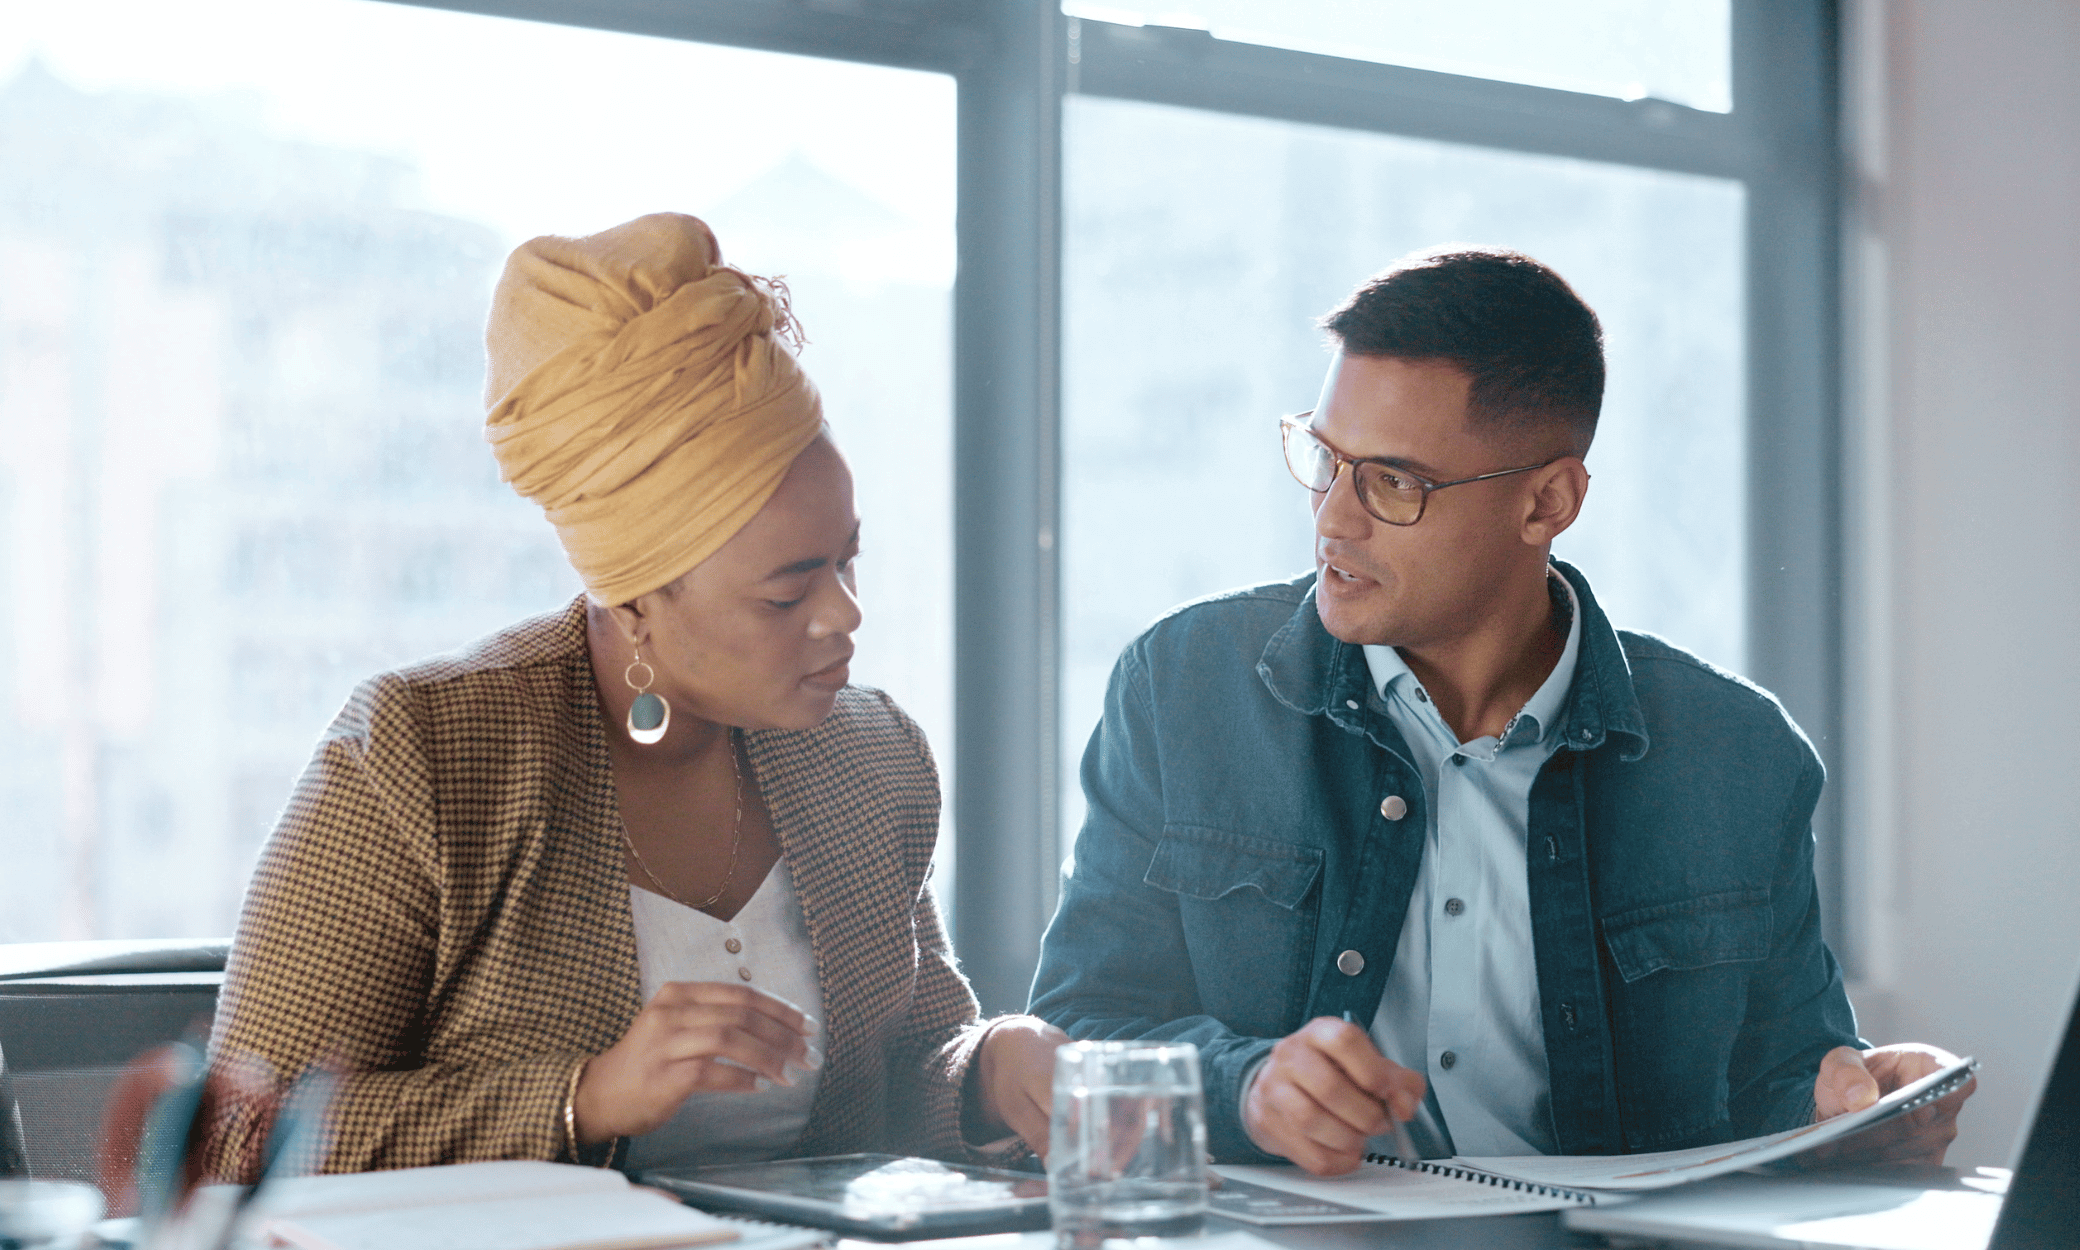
x=65, y=1035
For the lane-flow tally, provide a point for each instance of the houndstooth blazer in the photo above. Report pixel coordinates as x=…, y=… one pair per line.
x=443, y=911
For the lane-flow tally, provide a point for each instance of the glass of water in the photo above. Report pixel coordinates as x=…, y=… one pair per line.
x=1126, y=1151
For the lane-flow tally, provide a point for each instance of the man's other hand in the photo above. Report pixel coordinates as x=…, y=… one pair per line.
x=1852, y=1079
x=1323, y=1092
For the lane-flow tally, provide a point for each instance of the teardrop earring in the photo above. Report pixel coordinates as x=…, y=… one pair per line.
x=649, y=716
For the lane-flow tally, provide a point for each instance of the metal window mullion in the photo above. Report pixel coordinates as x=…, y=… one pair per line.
x=938, y=37
x=1007, y=371
x=1191, y=69
x=1785, y=76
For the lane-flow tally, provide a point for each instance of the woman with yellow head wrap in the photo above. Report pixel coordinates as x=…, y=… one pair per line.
x=644, y=880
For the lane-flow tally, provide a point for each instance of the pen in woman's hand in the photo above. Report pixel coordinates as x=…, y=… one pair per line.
x=1404, y=1146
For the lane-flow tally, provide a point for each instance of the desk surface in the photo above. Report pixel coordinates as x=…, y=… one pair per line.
x=1541, y=1231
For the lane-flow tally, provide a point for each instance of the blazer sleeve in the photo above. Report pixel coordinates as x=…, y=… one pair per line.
x=334, y=963
x=930, y=1062
x=931, y=1056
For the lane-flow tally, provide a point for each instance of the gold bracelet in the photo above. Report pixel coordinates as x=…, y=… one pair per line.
x=570, y=1110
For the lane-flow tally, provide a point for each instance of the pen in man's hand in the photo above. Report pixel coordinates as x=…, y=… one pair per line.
x=1404, y=1146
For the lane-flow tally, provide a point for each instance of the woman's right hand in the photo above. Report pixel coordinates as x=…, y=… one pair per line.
x=693, y=1037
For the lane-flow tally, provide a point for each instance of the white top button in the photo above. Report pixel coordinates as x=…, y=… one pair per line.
x=677, y=943
x=1393, y=807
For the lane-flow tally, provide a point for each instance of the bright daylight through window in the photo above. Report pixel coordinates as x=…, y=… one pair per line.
x=246, y=247
x=1200, y=250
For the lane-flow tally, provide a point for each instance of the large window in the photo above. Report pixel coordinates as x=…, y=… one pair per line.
x=245, y=254
x=246, y=245
x=1199, y=250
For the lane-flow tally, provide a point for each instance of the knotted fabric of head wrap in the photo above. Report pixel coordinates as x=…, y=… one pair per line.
x=639, y=390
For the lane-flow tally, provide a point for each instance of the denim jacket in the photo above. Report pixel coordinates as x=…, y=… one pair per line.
x=1238, y=841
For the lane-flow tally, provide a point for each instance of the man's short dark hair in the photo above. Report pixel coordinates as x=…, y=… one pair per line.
x=1533, y=349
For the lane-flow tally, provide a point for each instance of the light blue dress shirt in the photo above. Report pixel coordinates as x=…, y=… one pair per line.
x=1461, y=1001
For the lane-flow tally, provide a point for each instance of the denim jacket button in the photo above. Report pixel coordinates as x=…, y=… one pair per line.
x=1350, y=963
x=1393, y=807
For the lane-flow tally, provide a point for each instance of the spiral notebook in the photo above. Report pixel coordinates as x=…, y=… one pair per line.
x=1381, y=1189
x=1386, y=1189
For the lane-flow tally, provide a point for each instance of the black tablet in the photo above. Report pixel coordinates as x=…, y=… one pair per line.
x=886, y=1197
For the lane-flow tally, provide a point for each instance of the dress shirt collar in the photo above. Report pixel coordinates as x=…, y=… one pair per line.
x=1310, y=671
x=1540, y=718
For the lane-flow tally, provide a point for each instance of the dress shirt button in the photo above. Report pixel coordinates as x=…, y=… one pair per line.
x=1393, y=807
x=1350, y=963
x=743, y=973
x=1422, y=695
x=1453, y=906
x=733, y=946
x=1458, y=761
x=1446, y=1060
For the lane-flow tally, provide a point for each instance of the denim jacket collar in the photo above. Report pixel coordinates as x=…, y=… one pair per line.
x=1315, y=673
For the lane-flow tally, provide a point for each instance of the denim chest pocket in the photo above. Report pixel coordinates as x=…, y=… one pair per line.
x=1729, y=927
x=1213, y=864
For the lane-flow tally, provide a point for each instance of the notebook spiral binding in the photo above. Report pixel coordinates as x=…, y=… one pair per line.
x=1939, y=1090
x=1581, y=1196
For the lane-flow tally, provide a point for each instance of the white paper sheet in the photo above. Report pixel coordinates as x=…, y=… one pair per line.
x=1678, y=1167
x=628, y=1219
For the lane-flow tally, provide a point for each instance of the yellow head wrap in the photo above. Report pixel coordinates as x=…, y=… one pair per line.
x=640, y=393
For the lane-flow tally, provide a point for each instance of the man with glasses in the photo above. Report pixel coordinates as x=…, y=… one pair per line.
x=1421, y=835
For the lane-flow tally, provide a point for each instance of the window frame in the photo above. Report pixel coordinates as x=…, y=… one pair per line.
x=1013, y=61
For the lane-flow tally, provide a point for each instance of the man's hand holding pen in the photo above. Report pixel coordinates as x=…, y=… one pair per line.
x=1324, y=1092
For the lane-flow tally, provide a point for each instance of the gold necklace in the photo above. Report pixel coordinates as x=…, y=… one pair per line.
x=736, y=843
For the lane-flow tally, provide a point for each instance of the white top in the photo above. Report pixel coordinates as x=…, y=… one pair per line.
x=1461, y=1000
x=766, y=946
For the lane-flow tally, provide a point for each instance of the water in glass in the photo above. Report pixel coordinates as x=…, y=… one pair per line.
x=1127, y=1149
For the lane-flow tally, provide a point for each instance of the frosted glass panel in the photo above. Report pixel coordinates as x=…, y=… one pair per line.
x=1676, y=50
x=246, y=247
x=1200, y=250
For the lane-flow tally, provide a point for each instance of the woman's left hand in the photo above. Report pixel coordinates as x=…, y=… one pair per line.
x=1018, y=1076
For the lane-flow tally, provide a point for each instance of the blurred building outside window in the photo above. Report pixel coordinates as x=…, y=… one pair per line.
x=246, y=247
x=1200, y=249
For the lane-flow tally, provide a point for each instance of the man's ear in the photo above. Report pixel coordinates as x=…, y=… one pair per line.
x=1554, y=499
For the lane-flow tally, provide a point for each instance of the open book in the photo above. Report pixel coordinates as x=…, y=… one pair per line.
x=1385, y=1189
x=507, y=1205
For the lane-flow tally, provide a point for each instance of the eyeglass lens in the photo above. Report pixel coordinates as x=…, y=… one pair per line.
x=1384, y=495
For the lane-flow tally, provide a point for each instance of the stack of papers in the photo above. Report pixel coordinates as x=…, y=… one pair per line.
x=1384, y=1189
x=506, y=1205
